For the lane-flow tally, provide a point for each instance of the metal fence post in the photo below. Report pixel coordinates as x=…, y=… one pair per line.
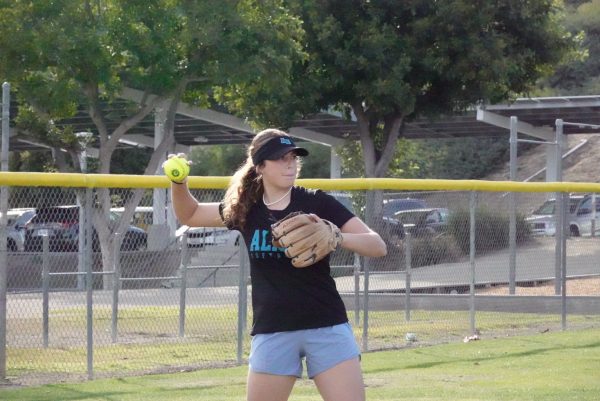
x=593, y=222
x=563, y=270
x=408, y=260
x=45, y=289
x=472, y=232
x=3, y=232
x=242, y=299
x=183, y=283
x=356, y=290
x=81, y=240
x=89, y=283
x=365, y=333
x=116, y=287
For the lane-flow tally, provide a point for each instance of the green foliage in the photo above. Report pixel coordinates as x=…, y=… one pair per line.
x=426, y=250
x=409, y=160
x=317, y=164
x=463, y=158
x=266, y=39
x=491, y=229
x=130, y=160
x=433, y=250
x=217, y=160
x=30, y=161
x=460, y=158
x=579, y=75
x=390, y=62
x=223, y=160
x=63, y=56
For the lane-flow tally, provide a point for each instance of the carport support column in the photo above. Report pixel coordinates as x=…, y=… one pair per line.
x=512, y=230
x=550, y=163
x=336, y=164
x=163, y=219
x=159, y=197
x=561, y=208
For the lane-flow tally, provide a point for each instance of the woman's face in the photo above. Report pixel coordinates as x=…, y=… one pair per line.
x=281, y=172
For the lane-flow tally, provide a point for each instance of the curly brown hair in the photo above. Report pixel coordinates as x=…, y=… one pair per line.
x=246, y=186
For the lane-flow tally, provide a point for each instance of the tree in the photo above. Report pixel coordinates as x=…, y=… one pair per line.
x=389, y=62
x=580, y=75
x=219, y=160
x=456, y=158
x=64, y=55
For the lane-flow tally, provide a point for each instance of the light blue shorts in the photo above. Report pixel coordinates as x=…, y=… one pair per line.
x=282, y=353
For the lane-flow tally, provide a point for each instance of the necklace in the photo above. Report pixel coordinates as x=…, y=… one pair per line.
x=278, y=200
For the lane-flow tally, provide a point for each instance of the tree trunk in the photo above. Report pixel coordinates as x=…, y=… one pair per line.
x=377, y=162
x=101, y=216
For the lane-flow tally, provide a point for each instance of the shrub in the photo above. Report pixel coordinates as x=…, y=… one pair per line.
x=425, y=250
x=491, y=230
x=434, y=249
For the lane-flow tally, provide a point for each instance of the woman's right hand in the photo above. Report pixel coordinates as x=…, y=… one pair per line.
x=177, y=167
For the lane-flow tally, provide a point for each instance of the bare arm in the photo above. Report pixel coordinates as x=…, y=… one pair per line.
x=359, y=238
x=192, y=213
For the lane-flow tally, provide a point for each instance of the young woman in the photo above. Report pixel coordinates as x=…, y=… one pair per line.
x=298, y=313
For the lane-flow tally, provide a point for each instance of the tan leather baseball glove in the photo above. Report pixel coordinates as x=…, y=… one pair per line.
x=306, y=237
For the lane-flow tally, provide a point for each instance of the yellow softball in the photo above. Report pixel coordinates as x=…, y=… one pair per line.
x=177, y=169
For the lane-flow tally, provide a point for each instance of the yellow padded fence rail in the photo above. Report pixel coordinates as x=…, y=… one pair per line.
x=73, y=180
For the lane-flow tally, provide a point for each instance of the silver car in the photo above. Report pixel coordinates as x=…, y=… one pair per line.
x=585, y=216
x=543, y=220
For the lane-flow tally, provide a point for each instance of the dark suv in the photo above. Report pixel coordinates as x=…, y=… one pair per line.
x=61, y=225
x=391, y=207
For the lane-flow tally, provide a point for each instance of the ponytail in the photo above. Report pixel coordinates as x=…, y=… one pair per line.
x=245, y=189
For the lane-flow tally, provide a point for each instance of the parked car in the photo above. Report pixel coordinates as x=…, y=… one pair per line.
x=16, y=221
x=143, y=216
x=543, y=220
x=392, y=206
x=61, y=225
x=392, y=225
x=199, y=237
x=580, y=222
x=425, y=221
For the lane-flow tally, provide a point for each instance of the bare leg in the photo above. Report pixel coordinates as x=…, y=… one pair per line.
x=266, y=387
x=343, y=382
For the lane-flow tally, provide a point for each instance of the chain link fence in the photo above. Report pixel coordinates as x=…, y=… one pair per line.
x=136, y=293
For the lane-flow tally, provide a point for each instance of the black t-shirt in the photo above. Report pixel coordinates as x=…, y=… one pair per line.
x=286, y=298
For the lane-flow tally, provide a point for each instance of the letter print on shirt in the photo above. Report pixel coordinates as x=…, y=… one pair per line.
x=261, y=247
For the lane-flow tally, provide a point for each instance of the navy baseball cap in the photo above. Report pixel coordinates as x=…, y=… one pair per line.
x=275, y=148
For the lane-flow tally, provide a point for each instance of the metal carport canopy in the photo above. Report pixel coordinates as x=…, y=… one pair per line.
x=197, y=126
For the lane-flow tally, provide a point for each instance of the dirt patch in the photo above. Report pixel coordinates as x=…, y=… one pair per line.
x=584, y=287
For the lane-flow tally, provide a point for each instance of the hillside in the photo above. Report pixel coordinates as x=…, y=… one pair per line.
x=583, y=165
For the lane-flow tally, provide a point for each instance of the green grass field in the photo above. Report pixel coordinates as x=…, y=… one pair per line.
x=543, y=367
x=148, y=340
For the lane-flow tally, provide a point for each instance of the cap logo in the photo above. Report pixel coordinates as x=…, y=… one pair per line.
x=285, y=141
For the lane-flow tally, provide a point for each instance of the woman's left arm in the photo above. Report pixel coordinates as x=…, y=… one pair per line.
x=359, y=238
